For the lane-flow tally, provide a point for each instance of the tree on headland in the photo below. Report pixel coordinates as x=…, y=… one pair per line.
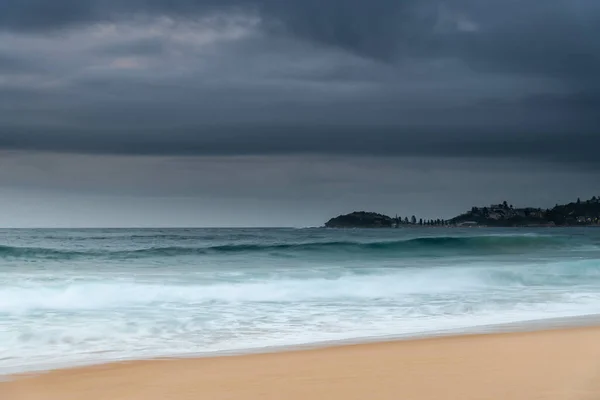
x=413, y=220
x=420, y=221
x=406, y=221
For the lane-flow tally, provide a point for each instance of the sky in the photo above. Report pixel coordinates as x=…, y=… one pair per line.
x=286, y=112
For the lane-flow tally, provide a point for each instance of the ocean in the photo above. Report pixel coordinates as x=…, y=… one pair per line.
x=73, y=297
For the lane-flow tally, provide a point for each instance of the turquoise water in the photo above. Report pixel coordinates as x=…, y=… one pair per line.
x=79, y=296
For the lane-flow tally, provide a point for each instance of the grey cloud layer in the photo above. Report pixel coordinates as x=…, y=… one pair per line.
x=454, y=77
x=527, y=34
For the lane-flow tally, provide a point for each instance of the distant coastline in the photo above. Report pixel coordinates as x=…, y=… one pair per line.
x=578, y=213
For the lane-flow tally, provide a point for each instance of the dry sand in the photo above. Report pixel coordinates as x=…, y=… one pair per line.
x=554, y=364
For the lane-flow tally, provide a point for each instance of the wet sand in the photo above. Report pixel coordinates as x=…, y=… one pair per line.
x=551, y=364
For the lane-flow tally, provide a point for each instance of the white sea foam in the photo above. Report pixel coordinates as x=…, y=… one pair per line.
x=64, y=313
x=96, y=295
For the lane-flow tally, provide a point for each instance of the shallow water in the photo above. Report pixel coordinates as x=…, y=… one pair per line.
x=78, y=296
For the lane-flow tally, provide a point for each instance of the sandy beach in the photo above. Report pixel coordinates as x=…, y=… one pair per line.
x=551, y=364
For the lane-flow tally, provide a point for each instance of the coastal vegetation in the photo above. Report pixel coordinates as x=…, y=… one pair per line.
x=578, y=213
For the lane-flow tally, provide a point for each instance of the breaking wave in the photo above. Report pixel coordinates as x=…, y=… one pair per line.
x=429, y=245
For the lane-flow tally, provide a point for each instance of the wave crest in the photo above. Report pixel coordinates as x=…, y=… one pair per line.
x=429, y=245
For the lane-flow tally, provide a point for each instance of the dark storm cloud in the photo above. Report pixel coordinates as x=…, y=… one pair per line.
x=41, y=15
x=557, y=35
x=480, y=141
x=150, y=46
x=10, y=64
x=385, y=77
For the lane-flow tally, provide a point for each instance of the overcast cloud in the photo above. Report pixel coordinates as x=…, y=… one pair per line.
x=400, y=83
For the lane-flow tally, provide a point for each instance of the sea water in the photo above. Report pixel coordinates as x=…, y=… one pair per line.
x=69, y=297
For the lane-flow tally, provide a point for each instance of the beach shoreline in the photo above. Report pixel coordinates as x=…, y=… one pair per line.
x=551, y=363
x=542, y=324
x=74, y=298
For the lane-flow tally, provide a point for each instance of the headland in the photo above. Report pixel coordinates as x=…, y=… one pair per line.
x=578, y=213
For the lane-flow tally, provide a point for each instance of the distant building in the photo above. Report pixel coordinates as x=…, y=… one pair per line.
x=494, y=215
